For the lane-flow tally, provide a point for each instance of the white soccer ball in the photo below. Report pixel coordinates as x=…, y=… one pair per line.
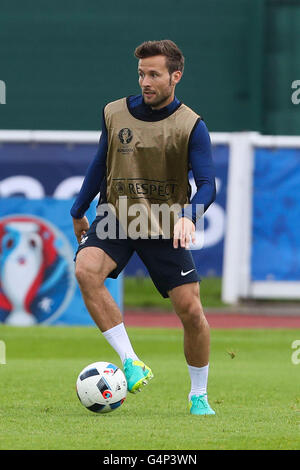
x=101, y=387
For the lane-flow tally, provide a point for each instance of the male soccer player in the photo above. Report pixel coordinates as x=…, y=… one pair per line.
x=147, y=146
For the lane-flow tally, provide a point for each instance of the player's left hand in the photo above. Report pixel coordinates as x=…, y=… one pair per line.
x=81, y=226
x=184, y=232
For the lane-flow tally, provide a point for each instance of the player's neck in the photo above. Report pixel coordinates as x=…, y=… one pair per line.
x=164, y=104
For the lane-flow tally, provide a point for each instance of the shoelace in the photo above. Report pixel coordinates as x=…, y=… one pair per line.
x=200, y=400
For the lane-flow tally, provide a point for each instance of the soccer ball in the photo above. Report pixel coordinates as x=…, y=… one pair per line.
x=101, y=387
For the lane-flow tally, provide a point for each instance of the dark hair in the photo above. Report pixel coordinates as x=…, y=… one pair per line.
x=165, y=47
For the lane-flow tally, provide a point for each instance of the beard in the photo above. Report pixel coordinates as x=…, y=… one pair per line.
x=158, y=101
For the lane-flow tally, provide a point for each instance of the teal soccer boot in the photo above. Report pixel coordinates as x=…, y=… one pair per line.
x=137, y=374
x=199, y=405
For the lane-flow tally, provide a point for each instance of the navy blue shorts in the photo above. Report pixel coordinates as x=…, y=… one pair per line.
x=168, y=267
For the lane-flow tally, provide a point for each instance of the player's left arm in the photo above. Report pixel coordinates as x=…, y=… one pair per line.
x=203, y=169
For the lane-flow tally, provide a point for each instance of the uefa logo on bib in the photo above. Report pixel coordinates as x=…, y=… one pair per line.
x=36, y=271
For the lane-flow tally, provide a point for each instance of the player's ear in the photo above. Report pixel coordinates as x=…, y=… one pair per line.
x=176, y=77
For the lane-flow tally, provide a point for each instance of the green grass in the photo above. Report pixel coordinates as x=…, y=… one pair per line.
x=140, y=292
x=253, y=387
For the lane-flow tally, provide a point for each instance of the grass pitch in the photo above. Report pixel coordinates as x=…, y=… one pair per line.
x=253, y=386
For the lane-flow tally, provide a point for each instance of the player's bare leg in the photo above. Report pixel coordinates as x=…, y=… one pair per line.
x=187, y=305
x=93, y=266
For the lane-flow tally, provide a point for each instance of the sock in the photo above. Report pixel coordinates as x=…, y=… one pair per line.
x=118, y=339
x=199, y=376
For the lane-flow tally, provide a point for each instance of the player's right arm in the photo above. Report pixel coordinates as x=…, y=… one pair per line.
x=90, y=187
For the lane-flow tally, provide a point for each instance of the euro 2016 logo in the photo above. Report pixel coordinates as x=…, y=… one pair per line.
x=36, y=260
x=125, y=135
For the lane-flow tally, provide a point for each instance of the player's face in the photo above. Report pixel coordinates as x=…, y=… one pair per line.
x=156, y=82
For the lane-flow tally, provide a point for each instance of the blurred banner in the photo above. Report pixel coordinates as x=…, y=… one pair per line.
x=37, y=282
x=276, y=214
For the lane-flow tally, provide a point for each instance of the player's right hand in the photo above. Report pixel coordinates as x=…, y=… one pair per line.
x=81, y=226
x=184, y=232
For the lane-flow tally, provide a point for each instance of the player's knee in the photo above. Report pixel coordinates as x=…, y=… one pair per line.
x=85, y=274
x=195, y=318
x=191, y=312
x=80, y=273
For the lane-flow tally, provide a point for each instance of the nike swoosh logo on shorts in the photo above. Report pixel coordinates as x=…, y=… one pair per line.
x=188, y=272
x=83, y=240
